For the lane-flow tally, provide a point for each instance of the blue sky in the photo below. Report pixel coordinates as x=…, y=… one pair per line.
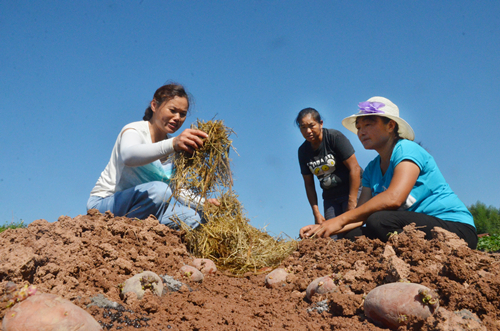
x=72, y=74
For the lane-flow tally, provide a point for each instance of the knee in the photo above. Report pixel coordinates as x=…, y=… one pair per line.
x=381, y=223
x=373, y=221
x=159, y=192
x=353, y=234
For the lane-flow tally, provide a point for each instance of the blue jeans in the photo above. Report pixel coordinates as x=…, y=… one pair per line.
x=333, y=208
x=151, y=198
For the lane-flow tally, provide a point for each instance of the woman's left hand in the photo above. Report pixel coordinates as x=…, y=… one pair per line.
x=309, y=230
x=324, y=230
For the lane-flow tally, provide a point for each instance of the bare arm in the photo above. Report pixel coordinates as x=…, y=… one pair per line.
x=354, y=181
x=403, y=180
x=312, y=197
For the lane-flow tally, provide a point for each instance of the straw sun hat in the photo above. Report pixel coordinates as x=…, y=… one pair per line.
x=380, y=106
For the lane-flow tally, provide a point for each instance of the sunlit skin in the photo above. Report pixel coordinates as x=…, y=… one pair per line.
x=167, y=119
x=373, y=133
x=169, y=116
x=311, y=130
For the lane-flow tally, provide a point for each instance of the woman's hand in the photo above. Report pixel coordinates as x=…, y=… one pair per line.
x=325, y=230
x=189, y=140
x=214, y=202
x=308, y=230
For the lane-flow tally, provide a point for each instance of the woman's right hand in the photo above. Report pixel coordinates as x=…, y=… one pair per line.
x=189, y=140
x=311, y=230
x=213, y=201
x=324, y=230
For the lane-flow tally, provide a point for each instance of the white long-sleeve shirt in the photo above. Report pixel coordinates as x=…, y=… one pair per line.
x=135, y=160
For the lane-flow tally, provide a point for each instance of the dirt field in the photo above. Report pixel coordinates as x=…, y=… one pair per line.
x=87, y=256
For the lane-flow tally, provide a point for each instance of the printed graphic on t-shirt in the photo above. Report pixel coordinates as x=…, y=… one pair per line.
x=324, y=168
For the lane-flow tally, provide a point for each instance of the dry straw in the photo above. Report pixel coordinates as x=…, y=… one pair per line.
x=227, y=238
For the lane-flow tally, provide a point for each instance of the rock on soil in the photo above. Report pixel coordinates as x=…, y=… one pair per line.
x=91, y=255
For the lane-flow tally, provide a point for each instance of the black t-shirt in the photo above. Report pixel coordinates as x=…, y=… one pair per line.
x=327, y=163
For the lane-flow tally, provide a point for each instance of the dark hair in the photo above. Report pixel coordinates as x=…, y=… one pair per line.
x=396, y=128
x=308, y=111
x=165, y=93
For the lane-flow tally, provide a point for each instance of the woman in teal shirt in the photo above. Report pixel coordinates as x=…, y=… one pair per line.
x=402, y=185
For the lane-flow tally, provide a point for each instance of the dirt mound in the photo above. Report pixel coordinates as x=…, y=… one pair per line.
x=87, y=258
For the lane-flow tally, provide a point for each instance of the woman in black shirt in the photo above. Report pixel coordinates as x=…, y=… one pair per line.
x=329, y=155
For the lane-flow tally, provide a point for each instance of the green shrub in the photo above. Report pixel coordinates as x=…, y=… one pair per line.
x=489, y=244
x=12, y=225
x=486, y=219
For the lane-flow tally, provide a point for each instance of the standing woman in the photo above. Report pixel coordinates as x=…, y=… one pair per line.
x=135, y=183
x=402, y=185
x=328, y=155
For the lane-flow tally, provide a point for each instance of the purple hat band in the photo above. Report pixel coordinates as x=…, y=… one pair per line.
x=368, y=107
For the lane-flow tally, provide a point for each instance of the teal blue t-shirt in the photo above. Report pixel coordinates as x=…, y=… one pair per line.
x=431, y=195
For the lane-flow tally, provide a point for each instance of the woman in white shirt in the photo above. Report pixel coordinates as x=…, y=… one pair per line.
x=135, y=183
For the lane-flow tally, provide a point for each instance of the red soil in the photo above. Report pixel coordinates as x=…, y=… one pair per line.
x=79, y=258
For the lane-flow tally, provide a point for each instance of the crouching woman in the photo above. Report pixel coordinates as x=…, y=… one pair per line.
x=402, y=185
x=135, y=183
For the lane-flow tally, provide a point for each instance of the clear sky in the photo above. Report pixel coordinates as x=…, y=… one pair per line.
x=73, y=73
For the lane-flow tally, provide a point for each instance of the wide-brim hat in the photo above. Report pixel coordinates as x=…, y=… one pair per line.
x=380, y=106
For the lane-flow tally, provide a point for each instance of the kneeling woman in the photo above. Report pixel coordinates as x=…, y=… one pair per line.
x=402, y=185
x=135, y=183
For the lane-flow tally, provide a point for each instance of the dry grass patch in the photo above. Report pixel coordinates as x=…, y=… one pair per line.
x=227, y=238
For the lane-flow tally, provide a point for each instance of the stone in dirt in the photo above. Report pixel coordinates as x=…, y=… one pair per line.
x=82, y=257
x=172, y=284
x=102, y=302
